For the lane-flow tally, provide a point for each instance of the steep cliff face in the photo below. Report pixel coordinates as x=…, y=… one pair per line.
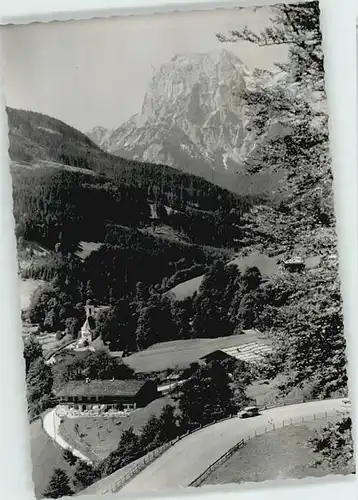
x=194, y=117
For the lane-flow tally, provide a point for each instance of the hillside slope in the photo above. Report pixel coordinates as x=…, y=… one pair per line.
x=36, y=137
x=152, y=220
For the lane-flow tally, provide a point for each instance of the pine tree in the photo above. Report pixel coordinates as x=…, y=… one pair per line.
x=297, y=26
x=150, y=434
x=39, y=386
x=32, y=351
x=155, y=322
x=128, y=450
x=168, y=424
x=70, y=458
x=306, y=318
x=211, y=318
x=59, y=485
x=206, y=396
x=86, y=474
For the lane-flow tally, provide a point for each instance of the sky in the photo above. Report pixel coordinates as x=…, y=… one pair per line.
x=96, y=72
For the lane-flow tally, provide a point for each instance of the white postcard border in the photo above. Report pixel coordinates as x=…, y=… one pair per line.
x=341, y=71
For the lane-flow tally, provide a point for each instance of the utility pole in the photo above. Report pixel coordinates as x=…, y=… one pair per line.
x=54, y=425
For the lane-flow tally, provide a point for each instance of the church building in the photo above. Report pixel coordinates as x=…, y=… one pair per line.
x=87, y=331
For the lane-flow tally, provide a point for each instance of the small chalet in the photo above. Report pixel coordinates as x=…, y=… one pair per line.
x=173, y=377
x=107, y=394
x=294, y=265
x=30, y=329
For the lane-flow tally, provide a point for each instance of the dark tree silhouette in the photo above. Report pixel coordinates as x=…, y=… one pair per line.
x=59, y=485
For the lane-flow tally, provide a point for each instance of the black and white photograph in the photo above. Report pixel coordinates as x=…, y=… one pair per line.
x=178, y=267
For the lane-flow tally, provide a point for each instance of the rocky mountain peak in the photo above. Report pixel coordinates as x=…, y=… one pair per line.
x=194, y=85
x=193, y=118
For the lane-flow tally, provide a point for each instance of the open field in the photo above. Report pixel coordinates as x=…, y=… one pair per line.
x=46, y=456
x=267, y=266
x=26, y=289
x=102, y=435
x=86, y=248
x=180, y=353
x=279, y=454
x=166, y=232
x=186, y=289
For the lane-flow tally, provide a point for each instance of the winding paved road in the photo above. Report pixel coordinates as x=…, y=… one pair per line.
x=51, y=424
x=186, y=460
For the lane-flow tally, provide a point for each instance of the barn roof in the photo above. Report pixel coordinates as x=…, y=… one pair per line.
x=294, y=261
x=77, y=388
x=250, y=352
x=217, y=353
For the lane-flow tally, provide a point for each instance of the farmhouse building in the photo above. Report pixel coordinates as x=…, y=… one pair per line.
x=294, y=265
x=30, y=329
x=107, y=394
x=251, y=352
x=217, y=355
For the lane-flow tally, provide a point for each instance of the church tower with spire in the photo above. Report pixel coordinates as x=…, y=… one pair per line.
x=86, y=335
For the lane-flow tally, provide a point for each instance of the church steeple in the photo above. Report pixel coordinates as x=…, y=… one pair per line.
x=86, y=330
x=89, y=308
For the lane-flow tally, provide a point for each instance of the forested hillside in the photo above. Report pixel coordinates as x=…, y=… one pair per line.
x=66, y=190
x=152, y=223
x=34, y=136
x=58, y=209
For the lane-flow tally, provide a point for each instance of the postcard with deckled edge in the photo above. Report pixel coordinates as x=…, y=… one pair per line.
x=177, y=251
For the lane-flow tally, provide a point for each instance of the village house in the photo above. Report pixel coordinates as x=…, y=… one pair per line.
x=254, y=350
x=29, y=329
x=294, y=265
x=107, y=394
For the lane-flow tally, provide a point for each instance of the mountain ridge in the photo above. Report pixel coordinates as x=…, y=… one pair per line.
x=35, y=137
x=194, y=118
